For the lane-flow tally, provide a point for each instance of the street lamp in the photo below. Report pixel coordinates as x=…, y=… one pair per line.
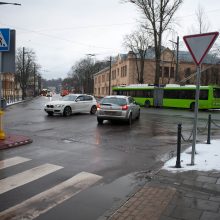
x=7, y=3
x=177, y=57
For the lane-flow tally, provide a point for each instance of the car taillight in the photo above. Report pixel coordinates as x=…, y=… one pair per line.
x=124, y=107
x=98, y=106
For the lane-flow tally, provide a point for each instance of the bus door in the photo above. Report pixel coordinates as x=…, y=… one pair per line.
x=158, y=97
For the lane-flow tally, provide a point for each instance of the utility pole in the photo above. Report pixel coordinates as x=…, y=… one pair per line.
x=110, y=72
x=177, y=60
x=34, y=80
x=22, y=74
x=6, y=3
x=38, y=83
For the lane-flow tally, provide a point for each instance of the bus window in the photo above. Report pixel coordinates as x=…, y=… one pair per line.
x=187, y=94
x=148, y=93
x=139, y=93
x=171, y=94
x=216, y=93
x=203, y=95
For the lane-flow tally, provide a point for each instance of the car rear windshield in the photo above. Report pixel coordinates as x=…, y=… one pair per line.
x=116, y=101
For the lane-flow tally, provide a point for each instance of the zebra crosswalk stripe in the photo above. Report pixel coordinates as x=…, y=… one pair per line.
x=27, y=176
x=41, y=203
x=12, y=162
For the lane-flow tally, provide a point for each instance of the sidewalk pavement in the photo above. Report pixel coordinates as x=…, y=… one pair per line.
x=190, y=195
x=12, y=140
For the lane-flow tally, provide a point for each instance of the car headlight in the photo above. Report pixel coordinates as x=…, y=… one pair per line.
x=58, y=106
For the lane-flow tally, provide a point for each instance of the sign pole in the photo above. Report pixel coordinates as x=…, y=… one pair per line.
x=196, y=114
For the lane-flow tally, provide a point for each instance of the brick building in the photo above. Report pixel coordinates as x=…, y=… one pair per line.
x=124, y=70
x=10, y=88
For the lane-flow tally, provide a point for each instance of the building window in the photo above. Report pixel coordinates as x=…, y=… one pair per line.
x=172, y=72
x=123, y=71
x=103, y=78
x=166, y=71
x=114, y=74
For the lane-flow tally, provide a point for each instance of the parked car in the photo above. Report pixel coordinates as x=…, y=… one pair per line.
x=72, y=103
x=117, y=108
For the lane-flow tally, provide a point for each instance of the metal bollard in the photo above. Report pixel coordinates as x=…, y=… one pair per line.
x=178, y=163
x=209, y=130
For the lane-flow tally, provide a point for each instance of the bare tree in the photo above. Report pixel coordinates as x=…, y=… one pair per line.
x=202, y=20
x=25, y=62
x=82, y=74
x=157, y=14
x=201, y=24
x=138, y=42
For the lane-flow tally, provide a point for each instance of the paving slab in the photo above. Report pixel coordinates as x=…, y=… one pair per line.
x=192, y=195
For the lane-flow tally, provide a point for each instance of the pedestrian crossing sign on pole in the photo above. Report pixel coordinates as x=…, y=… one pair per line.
x=4, y=39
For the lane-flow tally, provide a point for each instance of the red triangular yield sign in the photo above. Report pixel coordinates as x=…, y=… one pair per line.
x=200, y=44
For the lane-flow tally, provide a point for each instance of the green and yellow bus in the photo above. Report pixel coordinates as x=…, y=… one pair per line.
x=171, y=95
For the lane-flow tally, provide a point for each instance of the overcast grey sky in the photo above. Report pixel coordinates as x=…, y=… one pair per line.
x=63, y=32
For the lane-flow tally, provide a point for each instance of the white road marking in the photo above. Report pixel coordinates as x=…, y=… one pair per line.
x=27, y=176
x=12, y=161
x=41, y=203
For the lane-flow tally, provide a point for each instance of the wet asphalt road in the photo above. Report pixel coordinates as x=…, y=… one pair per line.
x=120, y=154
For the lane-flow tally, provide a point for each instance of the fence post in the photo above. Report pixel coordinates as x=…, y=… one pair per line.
x=178, y=163
x=209, y=129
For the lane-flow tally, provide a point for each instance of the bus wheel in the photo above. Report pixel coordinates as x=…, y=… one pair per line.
x=192, y=106
x=147, y=104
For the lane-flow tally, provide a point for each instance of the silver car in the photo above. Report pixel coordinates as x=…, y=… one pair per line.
x=117, y=108
x=72, y=103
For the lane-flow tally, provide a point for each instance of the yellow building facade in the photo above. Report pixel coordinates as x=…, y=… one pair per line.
x=124, y=71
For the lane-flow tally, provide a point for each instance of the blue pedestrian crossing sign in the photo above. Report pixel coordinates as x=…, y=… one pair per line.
x=4, y=39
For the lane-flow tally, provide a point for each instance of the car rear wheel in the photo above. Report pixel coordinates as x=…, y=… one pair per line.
x=100, y=121
x=130, y=119
x=93, y=110
x=138, y=116
x=67, y=111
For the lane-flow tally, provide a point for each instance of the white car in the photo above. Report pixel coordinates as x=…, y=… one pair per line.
x=72, y=103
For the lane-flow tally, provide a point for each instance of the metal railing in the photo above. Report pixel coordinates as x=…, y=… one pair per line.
x=199, y=130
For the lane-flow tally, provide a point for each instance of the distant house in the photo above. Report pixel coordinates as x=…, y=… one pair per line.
x=11, y=90
x=124, y=70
